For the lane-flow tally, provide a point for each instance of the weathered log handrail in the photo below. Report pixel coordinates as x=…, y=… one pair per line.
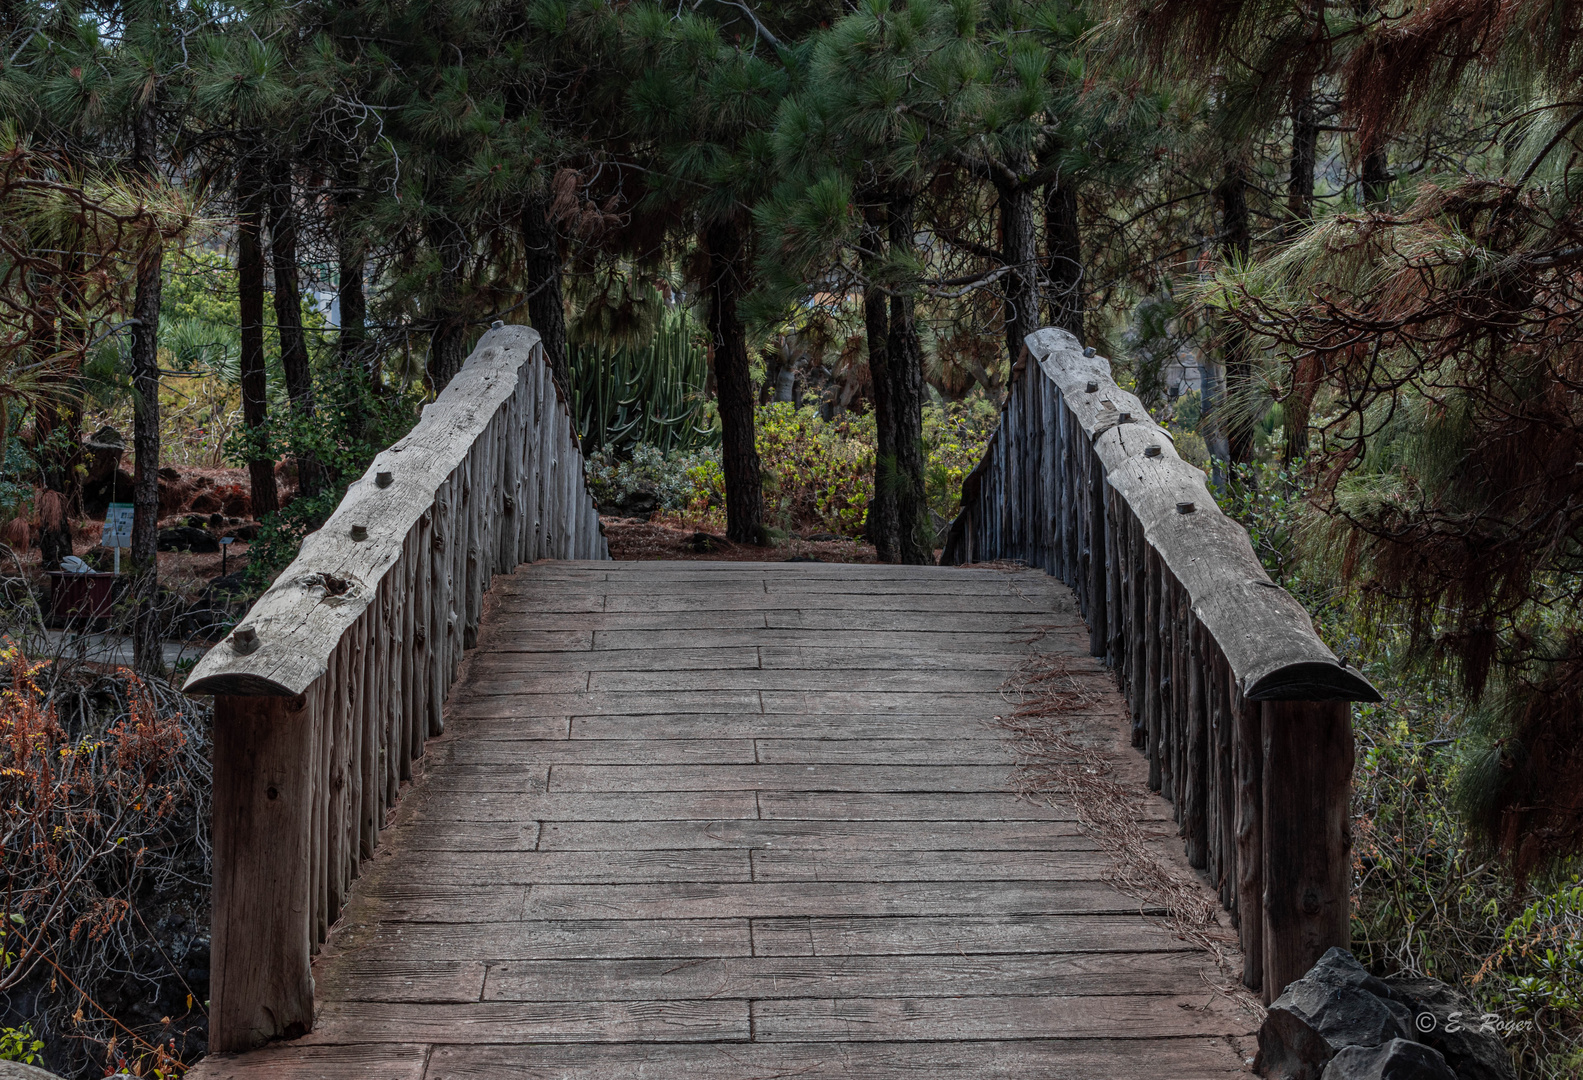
x=326, y=691
x=1241, y=709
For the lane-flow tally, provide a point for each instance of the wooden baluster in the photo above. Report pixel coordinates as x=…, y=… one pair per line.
x=1170, y=777
x=318, y=809
x=1099, y=625
x=1247, y=718
x=368, y=716
x=434, y=640
x=261, y=985
x=1208, y=656
x=401, y=658
x=1228, y=784
x=456, y=571
x=1196, y=791
x=516, y=466
x=1138, y=628
x=475, y=498
x=1308, y=757
x=335, y=781
x=1155, y=642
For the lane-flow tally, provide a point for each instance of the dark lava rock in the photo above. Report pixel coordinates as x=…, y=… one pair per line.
x=820, y=537
x=1336, y=1005
x=702, y=541
x=1398, y=1059
x=1472, y=1052
x=187, y=538
x=246, y=533
x=635, y=504
x=221, y=606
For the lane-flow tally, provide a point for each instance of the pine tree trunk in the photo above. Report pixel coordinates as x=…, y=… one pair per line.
x=1236, y=241
x=350, y=301
x=147, y=655
x=448, y=338
x=738, y=452
x=880, y=527
x=1376, y=178
x=904, y=386
x=1019, y=247
x=1305, y=147
x=1063, y=240
x=250, y=303
x=288, y=309
x=546, y=304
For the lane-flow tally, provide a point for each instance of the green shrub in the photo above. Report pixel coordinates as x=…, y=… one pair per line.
x=677, y=478
x=817, y=474
x=349, y=426
x=954, y=437
x=19, y=1044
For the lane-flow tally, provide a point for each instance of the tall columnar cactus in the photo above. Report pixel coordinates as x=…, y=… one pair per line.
x=654, y=394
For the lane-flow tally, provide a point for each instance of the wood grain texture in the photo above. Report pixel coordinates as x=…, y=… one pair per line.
x=746, y=850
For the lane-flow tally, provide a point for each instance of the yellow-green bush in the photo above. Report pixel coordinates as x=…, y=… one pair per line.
x=819, y=475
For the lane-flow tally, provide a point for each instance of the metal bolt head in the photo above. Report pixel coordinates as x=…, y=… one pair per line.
x=1092, y=388
x=496, y=325
x=359, y=532
x=1126, y=418
x=1089, y=351
x=384, y=479
x=1185, y=508
x=1151, y=451
x=244, y=639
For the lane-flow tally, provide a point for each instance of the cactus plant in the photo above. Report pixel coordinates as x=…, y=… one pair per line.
x=654, y=394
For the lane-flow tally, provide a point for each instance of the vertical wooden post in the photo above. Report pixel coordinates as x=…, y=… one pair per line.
x=1248, y=750
x=1154, y=644
x=1098, y=570
x=260, y=929
x=1308, y=755
x=1194, y=798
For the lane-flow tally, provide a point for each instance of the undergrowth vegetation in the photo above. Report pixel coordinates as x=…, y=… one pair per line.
x=818, y=474
x=1431, y=897
x=104, y=803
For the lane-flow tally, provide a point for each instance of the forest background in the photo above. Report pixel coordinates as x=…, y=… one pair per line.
x=782, y=257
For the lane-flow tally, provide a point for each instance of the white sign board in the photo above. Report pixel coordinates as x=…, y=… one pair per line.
x=117, y=526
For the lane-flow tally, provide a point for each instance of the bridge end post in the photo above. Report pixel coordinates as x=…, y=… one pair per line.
x=1307, y=836
x=260, y=936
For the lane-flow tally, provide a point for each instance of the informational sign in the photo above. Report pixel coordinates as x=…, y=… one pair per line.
x=117, y=526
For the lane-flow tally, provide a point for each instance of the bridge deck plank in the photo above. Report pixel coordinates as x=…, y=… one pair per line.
x=721, y=821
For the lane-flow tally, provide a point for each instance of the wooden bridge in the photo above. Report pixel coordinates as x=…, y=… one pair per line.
x=753, y=819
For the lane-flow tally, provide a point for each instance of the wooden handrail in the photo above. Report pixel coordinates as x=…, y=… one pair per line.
x=1240, y=708
x=326, y=691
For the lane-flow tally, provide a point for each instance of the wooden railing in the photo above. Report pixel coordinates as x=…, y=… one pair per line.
x=1242, y=711
x=325, y=692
